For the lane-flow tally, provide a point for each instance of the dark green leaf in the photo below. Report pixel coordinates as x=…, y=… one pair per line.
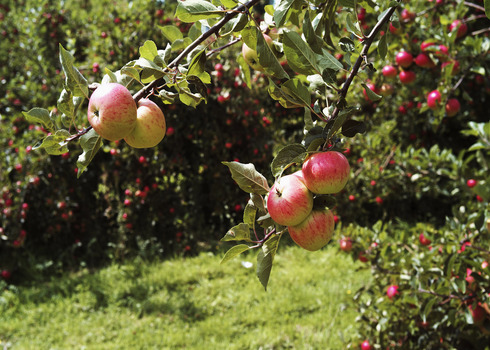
x=312, y=39
x=247, y=178
x=240, y=232
x=290, y=154
x=286, y=100
x=486, y=4
x=233, y=252
x=281, y=11
x=74, y=81
x=324, y=201
x=352, y=127
x=347, y=45
x=371, y=94
x=39, y=115
x=90, y=143
x=297, y=91
x=265, y=258
x=339, y=121
x=300, y=56
x=55, y=144
x=327, y=61
x=195, y=10
x=328, y=17
x=383, y=47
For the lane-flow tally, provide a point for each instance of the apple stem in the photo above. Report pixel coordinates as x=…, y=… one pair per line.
x=79, y=134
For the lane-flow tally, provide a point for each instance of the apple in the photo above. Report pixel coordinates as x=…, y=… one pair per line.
x=404, y=59
x=150, y=126
x=389, y=72
x=112, y=111
x=407, y=16
x=460, y=27
x=407, y=76
x=365, y=345
x=386, y=89
x=425, y=44
x=471, y=183
x=289, y=201
x=424, y=61
x=392, y=291
x=326, y=172
x=315, y=231
x=442, y=52
x=478, y=313
x=345, y=244
x=452, y=107
x=6, y=274
x=424, y=240
x=250, y=55
x=434, y=99
x=373, y=88
x=455, y=69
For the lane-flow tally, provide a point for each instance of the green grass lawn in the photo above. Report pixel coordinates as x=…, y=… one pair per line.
x=192, y=303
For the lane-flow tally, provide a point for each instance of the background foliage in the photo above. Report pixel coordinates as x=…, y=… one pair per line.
x=409, y=169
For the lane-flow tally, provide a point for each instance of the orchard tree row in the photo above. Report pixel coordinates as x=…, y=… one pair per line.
x=379, y=120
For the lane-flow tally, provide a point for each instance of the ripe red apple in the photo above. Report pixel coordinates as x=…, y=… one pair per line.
x=478, y=313
x=315, y=231
x=326, y=172
x=407, y=76
x=424, y=240
x=251, y=57
x=392, y=291
x=424, y=61
x=6, y=274
x=452, y=107
x=407, y=16
x=404, y=59
x=434, y=99
x=471, y=183
x=460, y=26
x=112, y=111
x=365, y=345
x=442, y=52
x=455, y=69
x=389, y=72
x=150, y=126
x=345, y=244
x=289, y=201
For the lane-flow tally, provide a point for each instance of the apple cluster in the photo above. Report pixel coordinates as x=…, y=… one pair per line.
x=290, y=201
x=114, y=115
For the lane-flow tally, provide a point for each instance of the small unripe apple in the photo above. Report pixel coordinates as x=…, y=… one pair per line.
x=315, y=231
x=326, y=172
x=389, y=72
x=392, y=291
x=112, y=111
x=407, y=76
x=434, y=99
x=150, y=126
x=251, y=57
x=404, y=59
x=289, y=201
x=424, y=61
x=452, y=107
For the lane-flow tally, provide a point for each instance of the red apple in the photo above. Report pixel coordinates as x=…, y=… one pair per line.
x=404, y=59
x=289, y=201
x=150, y=126
x=424, y=61
x=326, y=172
x=407, y=76
x=460, y=26
x=424, y=240
x=389, y=72
x=345, y=244
x=425, y=44
x=251, y=57
x=407, y=16
x=452, y=107
x=471, y=183
x=478, y=313
x=6, y=274
x=455, y=69
x=315, y=231
x=442, y=52
x=434, y=99
x=112, y=111
x=392, y=291
x=365, y=345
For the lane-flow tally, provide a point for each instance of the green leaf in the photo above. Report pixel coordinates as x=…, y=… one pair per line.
x=307, y=119
x=339, y=121
x=290, y=154
x=240, y=232
x=171, y=33
x=371, y=94
x=353, y=28
x=229, y=4
x=150, y=71
x=265, y=258
x=236, y=24
x=188, y=97
x=324, y=201
x=352, y=127
x=282, y=97
x=56, y=144
x=281, y=11
x=250, y=213
x=245, y=69
x=74, y=81
x=149, y=50
x=197, y=67
x=327, y=61
x=298, y=91
x=247, y=178
x=328, y=17
x=195, y=10
x=486, y=4
x=383, y=47
x=347, y=45
x=90, y=143
x=39, y=115
x=300, y=56
x=428, y=307
x=233, y=252
x=312, y=39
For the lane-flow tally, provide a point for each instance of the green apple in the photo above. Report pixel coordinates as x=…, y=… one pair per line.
x=150, y=126
x=250, y=55
x=112, y=111
x=315, y=231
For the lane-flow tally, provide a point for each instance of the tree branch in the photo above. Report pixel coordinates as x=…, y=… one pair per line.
x=213, y=30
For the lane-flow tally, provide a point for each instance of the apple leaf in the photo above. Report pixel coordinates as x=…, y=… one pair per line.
x=39, y=115
x=312, y=38
x=74, y=80
x=55, y=144
x=245, y=69
x=265, y=258
x=371, y=94
x=247, y=178
x=300, y=56
x=236, y=24
x=339, y=121
x=283, y=98
x=328, y=17
x=290, y=154
x=383, y=47
x=90, y=143
x=281, y=11
x=233, y=252
x=195, y=10
x=249, y=214
x=486, y=4
x=171, y=33
x=229, y=4
x=240, y=232
x=298, y=92
x=197, y=67
x=352, y=127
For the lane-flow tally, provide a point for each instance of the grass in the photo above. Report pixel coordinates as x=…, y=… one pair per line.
x=193, y=303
